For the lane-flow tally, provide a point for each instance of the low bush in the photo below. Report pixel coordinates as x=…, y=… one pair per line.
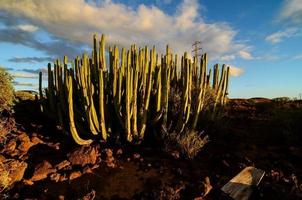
x=6, y=90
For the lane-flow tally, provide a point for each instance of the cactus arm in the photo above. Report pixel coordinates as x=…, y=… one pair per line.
x=73, y=129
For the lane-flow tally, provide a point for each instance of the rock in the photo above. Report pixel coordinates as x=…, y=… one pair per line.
x=89, y=196
x=119, y=152
x=42, y=170
x=10, y=147
x=12, y=171
x=26, y=144
x=136, y=156
x=83, y=155
x=55, y=146
x=62, y=165
x=75, y=175
x=2, y=158
x=109, y=153
x=95, y=166
x=55, y=177
x=63, y=178
x=110, y=161
x=61, y=197
x=35, y=140
x=28, y=182
x=225, y=163
x=207, y=187
x=175, y=154
x=87, y=170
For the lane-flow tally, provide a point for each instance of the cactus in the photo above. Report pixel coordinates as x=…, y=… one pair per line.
x=135, y=81
x=73, y=129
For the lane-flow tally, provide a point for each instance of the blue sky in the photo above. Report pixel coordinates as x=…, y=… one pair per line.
x=260, y=40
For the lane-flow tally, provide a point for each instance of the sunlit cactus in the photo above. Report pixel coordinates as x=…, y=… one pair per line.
x=132, y=93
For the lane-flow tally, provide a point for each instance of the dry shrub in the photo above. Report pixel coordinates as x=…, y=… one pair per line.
x=189, y=142
x=6, y=90
x=4, y=177
x=23, y=95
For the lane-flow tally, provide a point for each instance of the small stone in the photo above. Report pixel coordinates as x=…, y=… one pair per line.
x=83, y=155
x=55, y=177
x=28, y=182
x=136, y=156
x=149, y=165
x=87, y=170
x=95, y=166
x=175, y=154
x=26, y=144
x=142, y=160
x=225, y=163
x=63, y=164
x=35, y=140
x=2, y=158
x=61, y=197
x=207, y=186
x=89, y=196
x=128, y=159
x=42, y=170
x=75, y=175
x=63, y=178
x=119, y=152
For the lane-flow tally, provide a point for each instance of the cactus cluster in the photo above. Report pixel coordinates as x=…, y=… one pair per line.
x=136, y=91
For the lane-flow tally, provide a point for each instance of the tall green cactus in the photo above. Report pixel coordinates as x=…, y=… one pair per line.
x=135, y=81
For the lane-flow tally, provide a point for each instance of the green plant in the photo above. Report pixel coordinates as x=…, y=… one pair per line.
x=135, y=89
x=6, y=90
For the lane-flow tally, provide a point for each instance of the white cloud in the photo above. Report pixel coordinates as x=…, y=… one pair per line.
x=24, y=75
x=27, y=27
x=281, y=35
x=236, y=71
x=77, y=20
x=227, y=58
x=245, y=55
x=292, y=10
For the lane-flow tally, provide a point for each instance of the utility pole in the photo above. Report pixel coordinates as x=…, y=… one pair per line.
x=197, y=50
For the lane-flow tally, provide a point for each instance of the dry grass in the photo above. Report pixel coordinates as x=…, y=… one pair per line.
x=189, y=143
x=4, y=177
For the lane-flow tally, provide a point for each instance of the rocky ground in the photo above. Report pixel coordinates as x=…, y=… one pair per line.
x=37, y=161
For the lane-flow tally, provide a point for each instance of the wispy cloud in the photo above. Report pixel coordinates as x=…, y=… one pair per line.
x=292, y=11
x=76, y=21
x=30, y=59
x=57, y=47
x=25, y=75
x=27, y=27
x=18, y=83
x=281, y=35
x=236, y=71
x=227, y=58
x=245, y=55
x=35, y=71
x=298, y=57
